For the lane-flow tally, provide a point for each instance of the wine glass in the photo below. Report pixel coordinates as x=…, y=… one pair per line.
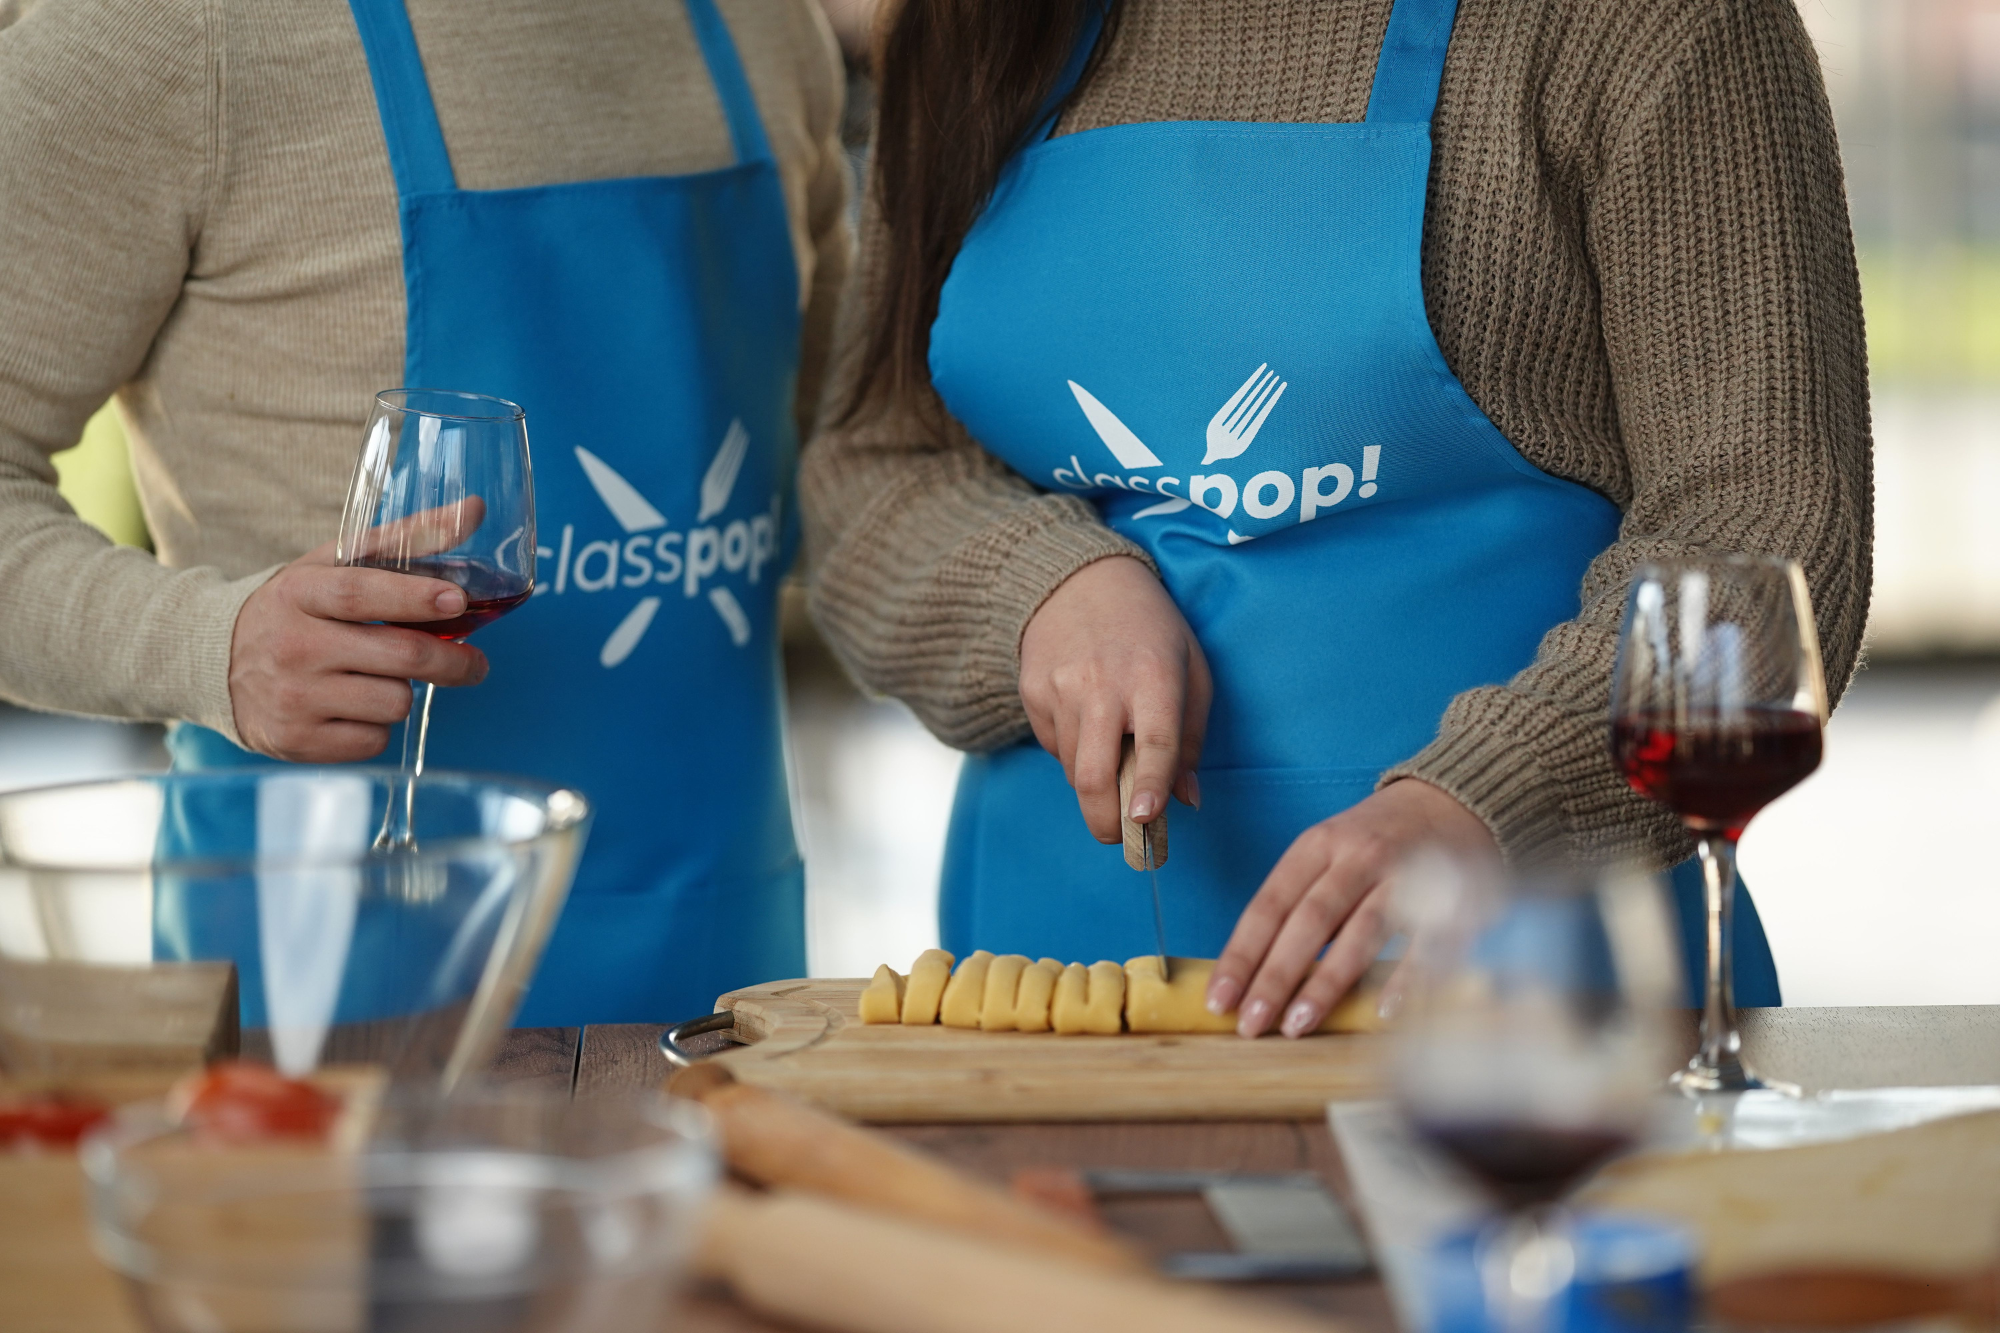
x=443, y=489
x=1717, y=708
x=1530, y=1048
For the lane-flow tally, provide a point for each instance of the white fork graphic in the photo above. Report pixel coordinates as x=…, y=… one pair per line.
x=1231, y=430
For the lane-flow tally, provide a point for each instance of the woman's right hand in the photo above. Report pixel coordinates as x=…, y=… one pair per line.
x=1106, y=656
x=312, y=681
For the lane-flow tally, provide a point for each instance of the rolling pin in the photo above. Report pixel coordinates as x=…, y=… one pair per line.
x=831, y=1265
x=783, y=1143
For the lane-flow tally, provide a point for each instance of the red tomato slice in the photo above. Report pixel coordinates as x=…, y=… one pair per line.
x=241, y=1101
x=52, y=1120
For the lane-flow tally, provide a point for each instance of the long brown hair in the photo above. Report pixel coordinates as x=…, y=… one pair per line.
x=959, y=83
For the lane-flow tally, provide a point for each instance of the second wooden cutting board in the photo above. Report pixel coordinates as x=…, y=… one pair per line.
x=805, y=1039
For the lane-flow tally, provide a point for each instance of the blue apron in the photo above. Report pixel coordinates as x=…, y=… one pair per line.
x=650, y=327
x=1215, y=331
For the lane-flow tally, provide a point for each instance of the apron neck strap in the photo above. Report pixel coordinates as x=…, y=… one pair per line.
x=409, y=117
x=403, y=97
x=1412, y=60
x=732, y=86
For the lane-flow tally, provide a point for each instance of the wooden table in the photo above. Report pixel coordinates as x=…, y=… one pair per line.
x=1817, y=1048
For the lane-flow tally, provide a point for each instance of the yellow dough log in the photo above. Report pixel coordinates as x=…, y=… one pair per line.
x=1035, y=998
x=882, y=1002
x=966, y=992
x=1181, y=1005
x=1069, y=1009
x=1003, y=983
x=1105, y=1013
x=925, y=989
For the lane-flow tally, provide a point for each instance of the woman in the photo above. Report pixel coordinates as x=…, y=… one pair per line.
x=1294, y=387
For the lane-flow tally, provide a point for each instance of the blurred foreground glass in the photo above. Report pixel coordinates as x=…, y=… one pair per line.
x=443, y=489
x=1530, y=1050
x=1717, y=709
x=161, y=921
x=506, y=1211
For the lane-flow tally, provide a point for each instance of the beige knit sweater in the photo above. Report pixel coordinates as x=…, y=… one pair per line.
x=197, y=212
x=1636, y=258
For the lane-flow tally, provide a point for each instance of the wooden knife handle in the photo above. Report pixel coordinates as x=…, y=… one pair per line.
x=830, y=1265
x=1135, y=844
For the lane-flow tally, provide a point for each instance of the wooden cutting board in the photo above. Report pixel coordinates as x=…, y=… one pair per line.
x=1924, y=1199
x=804, y=1039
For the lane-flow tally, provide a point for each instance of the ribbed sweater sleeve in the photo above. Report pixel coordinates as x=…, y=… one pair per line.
x=107, y=161
x=1717, y=229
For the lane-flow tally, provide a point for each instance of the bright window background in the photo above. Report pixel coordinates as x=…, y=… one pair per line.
x=1876, y=877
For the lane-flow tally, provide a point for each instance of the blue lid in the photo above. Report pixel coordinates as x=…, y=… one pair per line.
x=1633, y=1275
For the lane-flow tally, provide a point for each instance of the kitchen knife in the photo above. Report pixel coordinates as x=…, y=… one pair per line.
x=1145, y=846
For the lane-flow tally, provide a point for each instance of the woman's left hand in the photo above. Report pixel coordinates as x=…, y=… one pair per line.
x=1332, y=884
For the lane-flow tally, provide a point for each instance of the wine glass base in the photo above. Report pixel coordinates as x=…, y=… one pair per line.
x=1699, y=1079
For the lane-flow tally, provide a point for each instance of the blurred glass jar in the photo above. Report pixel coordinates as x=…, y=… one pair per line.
x=500, y=1210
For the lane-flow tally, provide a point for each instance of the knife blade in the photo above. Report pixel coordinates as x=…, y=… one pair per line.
x=1159, y=921
x=1145, y=847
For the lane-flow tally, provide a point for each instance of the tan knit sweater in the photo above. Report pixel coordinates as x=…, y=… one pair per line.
x=196, y=211
x=1636, y=258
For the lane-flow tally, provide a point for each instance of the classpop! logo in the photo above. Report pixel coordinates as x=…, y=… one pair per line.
x=1269, y=494
x=658, y=558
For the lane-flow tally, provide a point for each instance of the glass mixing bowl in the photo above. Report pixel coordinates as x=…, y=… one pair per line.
x=500, y=1210
x=156, y=922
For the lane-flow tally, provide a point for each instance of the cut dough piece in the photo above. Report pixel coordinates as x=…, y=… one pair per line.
x=1360, y=1010
x=925, y=988
x=882, y=1002
x=965, y=992
x=1068, y=1009
x=1181, y=1005
x=1154, y=1004
x=1003, y=983
x=1105, y=1013
x=1034, y=999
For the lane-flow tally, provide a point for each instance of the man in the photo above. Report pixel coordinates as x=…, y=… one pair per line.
x=246, y=219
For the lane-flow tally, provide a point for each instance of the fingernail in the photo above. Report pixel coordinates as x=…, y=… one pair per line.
x=451, y=601
x=1390, y=1005
x=1256, y=1016
x=484, y=667
x=1194, y=790
x=1144, y=803
x=1222, y=995
x=1300, y=1020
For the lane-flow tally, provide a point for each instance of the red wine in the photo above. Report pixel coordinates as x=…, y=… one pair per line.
x=1522, y=1163
x=1716, y=774
x=489, y=595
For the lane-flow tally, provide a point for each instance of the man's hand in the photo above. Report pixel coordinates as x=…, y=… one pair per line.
x=1332, y=884
x=1106, y=656
x=313, y=682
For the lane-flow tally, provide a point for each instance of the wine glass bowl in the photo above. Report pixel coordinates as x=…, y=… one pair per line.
x=1529, y=1049
x=1718, y=707
x=444, y=489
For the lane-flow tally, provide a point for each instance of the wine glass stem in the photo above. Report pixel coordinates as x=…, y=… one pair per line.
x=399, y=821
x=1718, y=1016
x=1718, y=1066
x=413, y=765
